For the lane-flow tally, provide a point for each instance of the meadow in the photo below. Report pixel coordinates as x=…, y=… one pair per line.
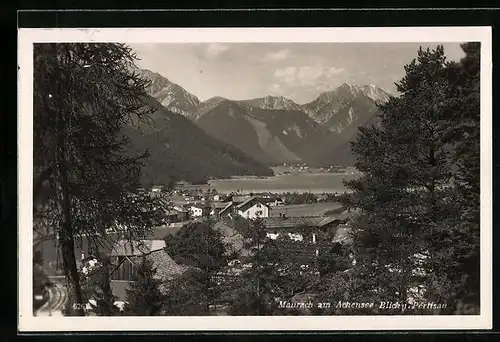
x=304, y=182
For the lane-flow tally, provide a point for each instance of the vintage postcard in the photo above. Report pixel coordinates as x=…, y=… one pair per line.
x=255, y=179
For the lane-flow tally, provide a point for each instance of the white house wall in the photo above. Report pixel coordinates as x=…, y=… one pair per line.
x=292, y=236
x=252, y=211
x=196, y=212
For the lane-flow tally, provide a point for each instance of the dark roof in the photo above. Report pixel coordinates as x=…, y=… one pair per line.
x=229, y=205
x=312, y=209
x=166, y=267
x=231, y=236
x=249, y=202
x=294, y=222
x=327, y=220
x=220, y=205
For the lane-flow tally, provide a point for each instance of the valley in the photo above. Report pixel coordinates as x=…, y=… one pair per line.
x=273, y=130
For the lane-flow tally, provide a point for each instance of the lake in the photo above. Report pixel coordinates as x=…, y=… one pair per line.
x=305, y=182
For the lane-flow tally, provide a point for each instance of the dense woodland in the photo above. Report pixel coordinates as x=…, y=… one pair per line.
x=416, y=203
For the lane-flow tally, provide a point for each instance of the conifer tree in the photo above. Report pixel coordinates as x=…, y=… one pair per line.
x=84, y=94
x=272, y=275
x=404, y=196
x=202, y=247
x=456, y=257
x=144, y=297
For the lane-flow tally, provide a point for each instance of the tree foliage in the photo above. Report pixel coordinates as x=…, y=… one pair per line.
x=201, y=247
x=84, y=94
x=420, y=185
x=274, y=271
x=144, y=297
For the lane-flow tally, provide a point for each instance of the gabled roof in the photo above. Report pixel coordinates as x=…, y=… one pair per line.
x=166, y=267
x=228, y=206
x=290, y=222
x=327, y=220
x=294, y=222
x=249, y=202
x=231, y=236
x=220, y=205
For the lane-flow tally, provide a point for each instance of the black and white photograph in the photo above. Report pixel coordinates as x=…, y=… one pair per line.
x=305, y=180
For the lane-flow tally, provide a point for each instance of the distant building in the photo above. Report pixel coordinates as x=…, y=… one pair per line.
x=227, y=210
x=299, y=228
x=232, y=238
x=253, y=208
x=126, y=256
x=274, y=202
x=174, y=215
x=199, y=210
x=312, y=232
x=157, y=188
x=218, y=207
x=196, y=211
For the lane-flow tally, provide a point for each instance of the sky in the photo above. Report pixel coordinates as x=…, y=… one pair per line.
x=299, y=71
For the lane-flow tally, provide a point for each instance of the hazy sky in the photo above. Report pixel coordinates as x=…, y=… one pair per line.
x=299, y=71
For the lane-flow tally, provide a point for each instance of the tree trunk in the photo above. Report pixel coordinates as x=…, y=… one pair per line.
x=72, y=277
x=106, y=289
x=64, y=203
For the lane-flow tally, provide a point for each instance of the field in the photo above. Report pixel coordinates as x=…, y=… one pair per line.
x=314, y=209
x=304, y=182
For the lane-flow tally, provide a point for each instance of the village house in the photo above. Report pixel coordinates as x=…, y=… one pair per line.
x=173, y=215
x=218, y=207
x=196, y=210
x=275, y=202
x=300, y=228
x=253, y=208
x=199, y=210
x=126, y=255
x=304, y=239
x=231, y=237
x=156, y=190
x=227, y=210
x=247, y=206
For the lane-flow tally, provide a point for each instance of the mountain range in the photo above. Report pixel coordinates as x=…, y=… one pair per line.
x=172, y=96
x=181, y=151
x=263, y=131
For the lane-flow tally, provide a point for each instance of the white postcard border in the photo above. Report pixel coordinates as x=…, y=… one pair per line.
x=26, y=38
